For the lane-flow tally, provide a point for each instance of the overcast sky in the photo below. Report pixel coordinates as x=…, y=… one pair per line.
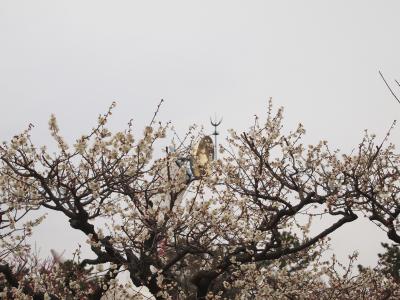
x=318, y=59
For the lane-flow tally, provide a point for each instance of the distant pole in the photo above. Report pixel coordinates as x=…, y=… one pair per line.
x=215, y=123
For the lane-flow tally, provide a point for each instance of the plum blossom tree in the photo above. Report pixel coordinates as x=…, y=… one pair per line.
x=240, y=230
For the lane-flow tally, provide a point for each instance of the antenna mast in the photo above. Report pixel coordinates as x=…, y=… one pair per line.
x=215, y=123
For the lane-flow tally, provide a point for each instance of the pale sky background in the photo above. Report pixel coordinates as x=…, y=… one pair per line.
x=318, y=59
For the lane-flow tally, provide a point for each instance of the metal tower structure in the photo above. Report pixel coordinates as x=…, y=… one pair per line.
x=215, y=123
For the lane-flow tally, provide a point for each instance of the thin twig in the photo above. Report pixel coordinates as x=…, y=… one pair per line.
x=388, y=86
x=156, y=112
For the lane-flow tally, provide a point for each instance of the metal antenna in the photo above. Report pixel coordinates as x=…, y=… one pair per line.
x=215, y=123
